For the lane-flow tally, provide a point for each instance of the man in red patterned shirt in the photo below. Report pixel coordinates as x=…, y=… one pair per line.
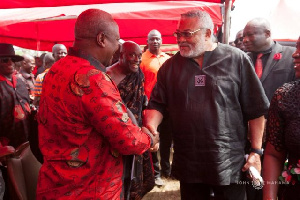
x=84, y=128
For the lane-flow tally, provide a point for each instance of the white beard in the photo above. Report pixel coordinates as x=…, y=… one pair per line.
x=193, y=51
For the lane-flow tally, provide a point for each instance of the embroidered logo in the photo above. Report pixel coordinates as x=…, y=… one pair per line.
x=200, y=80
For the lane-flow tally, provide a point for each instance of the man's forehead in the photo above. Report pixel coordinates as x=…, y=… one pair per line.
x=189, y=23
x=154, y=34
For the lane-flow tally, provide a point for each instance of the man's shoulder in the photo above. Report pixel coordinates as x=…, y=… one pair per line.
x=284, y=49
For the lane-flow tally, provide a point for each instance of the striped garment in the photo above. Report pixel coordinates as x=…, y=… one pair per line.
x=37, y=90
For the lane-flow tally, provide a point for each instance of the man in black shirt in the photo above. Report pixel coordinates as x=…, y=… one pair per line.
x=208, y=90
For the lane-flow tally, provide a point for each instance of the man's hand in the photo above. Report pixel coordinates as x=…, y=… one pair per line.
x=155, y=148
x=253, y=160
x=154, y=136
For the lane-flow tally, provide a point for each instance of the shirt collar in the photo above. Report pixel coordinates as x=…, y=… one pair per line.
x=81, y=54
x=268, y=51
x=150, y=55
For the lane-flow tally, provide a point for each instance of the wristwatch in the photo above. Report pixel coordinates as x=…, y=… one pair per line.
x=258, y=151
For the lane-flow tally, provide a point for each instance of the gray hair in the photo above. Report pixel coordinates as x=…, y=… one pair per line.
x=203, y=17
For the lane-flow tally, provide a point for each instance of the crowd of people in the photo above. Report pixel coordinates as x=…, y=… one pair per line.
x=98, y=124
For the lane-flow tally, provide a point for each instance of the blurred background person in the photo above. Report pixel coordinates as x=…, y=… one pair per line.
x=239, y=40
x=25, y=74
x=40, y=65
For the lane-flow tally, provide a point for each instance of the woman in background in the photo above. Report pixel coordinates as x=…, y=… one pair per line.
x=283, y=141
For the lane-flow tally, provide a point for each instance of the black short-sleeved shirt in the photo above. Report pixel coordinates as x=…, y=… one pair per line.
x=209, y=109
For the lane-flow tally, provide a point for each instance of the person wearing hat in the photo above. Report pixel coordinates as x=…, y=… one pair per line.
x=14, y=100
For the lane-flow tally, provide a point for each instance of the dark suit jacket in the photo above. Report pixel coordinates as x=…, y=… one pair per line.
x=277, y=72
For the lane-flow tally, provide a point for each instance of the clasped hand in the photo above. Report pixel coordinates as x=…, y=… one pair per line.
x=155, y=138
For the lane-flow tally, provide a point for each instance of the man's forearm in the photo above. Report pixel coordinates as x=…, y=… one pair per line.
x=151, y=119
x=256, y=127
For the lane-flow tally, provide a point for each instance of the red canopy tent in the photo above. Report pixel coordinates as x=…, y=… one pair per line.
x=40, y=28
x=54, y=3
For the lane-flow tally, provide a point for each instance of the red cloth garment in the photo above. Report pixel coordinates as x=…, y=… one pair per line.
x=259, y=65
x=84, y=130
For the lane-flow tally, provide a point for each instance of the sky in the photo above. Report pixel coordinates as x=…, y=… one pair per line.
x=245, y=10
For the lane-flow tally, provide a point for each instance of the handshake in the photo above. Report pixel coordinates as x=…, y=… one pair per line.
x=154, y=135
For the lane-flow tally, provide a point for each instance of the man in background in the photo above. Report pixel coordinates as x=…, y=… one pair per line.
x=127, y=75
x=14, y=100
x=37, y=91
x=239, y=40
x=152, y=60
x=273, y=62
x=59, y=51
x=273, y=65
x=26, y=75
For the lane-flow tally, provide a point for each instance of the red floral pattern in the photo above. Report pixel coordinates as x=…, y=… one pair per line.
x=82, y=133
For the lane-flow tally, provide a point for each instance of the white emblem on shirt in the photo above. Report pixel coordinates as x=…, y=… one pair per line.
x=200, y=80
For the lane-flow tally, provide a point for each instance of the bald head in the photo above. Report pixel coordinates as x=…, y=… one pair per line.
x=28, y=63
x=97, y=34
x=257, y=35
x=130, y=57
x=59, y=51
x=154, y=41
x=48, y=60
x=128, y=45
x=154, y=32
x=260, y=23
x=91, y=22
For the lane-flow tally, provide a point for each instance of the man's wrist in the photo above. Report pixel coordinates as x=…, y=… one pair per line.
x=260, y=152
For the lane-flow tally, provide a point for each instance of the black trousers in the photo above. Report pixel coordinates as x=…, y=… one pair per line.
x=165, y=134
x=200, y=191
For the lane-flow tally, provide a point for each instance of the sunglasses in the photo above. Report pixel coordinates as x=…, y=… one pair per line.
x=6, y=60
x=186, y=34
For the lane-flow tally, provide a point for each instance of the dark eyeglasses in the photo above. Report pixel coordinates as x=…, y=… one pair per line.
x=186, y=34
x=6, y=60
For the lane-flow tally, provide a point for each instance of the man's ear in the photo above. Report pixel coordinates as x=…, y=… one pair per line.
x=208, y=34
x=268, y=33
x=101, y=39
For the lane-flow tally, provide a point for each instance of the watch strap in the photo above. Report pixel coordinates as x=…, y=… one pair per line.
x=258, y=151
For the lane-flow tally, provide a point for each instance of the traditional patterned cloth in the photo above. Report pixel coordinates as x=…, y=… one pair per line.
x=132, y=92
x=150, y=65
x=83, y=129
x=37, y=90
x=14, y=111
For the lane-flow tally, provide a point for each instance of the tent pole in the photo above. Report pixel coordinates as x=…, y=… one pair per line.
x=228, y=4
